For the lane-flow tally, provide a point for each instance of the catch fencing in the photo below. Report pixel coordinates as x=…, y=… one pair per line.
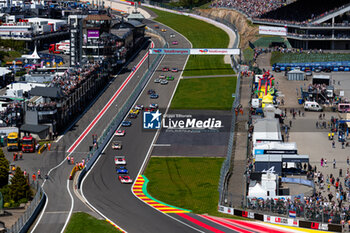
x=23, y=224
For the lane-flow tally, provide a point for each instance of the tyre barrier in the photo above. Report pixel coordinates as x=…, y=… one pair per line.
x=42, y=148
x=281, y=220
x=74, y=170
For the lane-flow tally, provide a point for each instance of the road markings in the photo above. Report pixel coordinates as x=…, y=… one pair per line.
x=161, y=144
x=71, y=208
x=140, y=190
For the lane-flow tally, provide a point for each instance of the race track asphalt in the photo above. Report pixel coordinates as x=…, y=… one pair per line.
x=101, y=186
x=59, y=201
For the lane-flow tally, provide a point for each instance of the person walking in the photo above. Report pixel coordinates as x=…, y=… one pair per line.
x=334, y=163
x=325, y=163
x=333, y=144
x=322, y=162
x=39, y=174
x=342, y=145
x=68, y=159
x=347, y=161
x=316, y=124
x=290, y=124
x=34, y=177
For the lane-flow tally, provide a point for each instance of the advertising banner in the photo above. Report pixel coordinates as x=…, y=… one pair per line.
x=195, y=51
x=268, y=30
x=281, y=220
x=93, y=33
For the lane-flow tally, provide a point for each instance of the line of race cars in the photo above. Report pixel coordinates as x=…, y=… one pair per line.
x=120, y=161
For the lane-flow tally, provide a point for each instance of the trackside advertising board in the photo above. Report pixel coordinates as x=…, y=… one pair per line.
x=195, y=51
x=267, y=30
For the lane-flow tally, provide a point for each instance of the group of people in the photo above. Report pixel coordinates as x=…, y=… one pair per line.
x=11, y=115
x=252, y=8
x=73, y=77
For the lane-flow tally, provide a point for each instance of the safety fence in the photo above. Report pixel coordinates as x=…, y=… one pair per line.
x=23, y=224
x=295, y=222
x=116, y=121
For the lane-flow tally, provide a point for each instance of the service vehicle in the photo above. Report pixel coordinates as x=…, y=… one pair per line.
x=125, y=179
x=119, y=133
x=117, y=145
x=119, y=160
x=28, y=144
x=58, y=48
x=312, y=106
x=122, y=170
x=154, y=96
x=12, y=141
x=126, y=123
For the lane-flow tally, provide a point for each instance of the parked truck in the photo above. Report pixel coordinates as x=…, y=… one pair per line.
x=28, y=144
x=12, y=141
x=58, y=48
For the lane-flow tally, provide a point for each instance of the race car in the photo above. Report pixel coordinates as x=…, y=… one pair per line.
x=122, y=170
x=165, y=69
x=154, y=96
x=174, y=42
x=172, y=35
x=151, y=91
x=156, y=26
x=116, y=145
x=174, y=70
x=132, y=115
x=125, y=179
x=163, y=30
x=161, y=76
x=150, y=110
x=155, y=106
x=119, y=160
x=164, y=82
x=170, y=78
x=126, y=123
x=157, y=80
x=134, y=111
x=119, y=133
x=138, y=107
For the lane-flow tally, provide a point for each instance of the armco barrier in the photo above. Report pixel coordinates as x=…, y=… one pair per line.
x=281, y=220
x=110, y=129
x=35, y=214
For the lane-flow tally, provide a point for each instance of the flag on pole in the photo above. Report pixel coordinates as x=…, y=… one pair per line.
x=292, y=214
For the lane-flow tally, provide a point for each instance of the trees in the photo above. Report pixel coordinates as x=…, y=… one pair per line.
x=4, y=169
x=19, y=188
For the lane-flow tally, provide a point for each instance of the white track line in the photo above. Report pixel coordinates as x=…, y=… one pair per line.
x=64, y=160
x=154, y=139
x=71, y=208
x=82, y=182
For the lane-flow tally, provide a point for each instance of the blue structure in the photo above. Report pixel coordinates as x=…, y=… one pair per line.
x=322, y=66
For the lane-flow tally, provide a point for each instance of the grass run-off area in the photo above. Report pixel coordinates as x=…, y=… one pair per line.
x=190, y=183
x=205, y=93
x=201, y=35
x=305, y=57
x=85, y=223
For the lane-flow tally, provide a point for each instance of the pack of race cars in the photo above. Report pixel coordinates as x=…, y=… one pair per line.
x=120, y=161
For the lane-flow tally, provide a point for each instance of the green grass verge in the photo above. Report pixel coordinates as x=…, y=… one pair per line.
x=189, y=183
x=201, y=35
x=85, y=223
x=205, y=93
x=304, y=57
x=248, y=54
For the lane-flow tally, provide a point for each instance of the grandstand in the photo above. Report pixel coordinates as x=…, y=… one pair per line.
x=304, y=11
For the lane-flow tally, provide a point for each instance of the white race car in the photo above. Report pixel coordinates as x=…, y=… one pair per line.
x=154, y=106
x=117, y=145
x=119, y=160
x=125, y=179
x=138, y=107
x=119, y=133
